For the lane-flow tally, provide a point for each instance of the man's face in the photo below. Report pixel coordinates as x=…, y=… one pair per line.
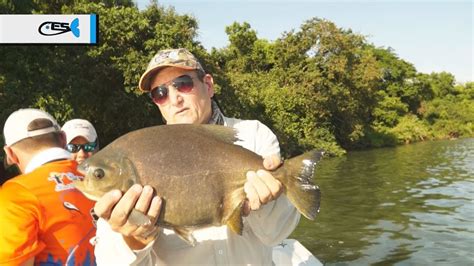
x=193, y=107
x=81, y=155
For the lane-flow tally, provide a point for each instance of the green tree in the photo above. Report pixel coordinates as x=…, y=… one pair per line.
x=317, y=87
x=98, y=83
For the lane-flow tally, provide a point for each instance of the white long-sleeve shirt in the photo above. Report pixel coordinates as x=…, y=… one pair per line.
x=262, y=229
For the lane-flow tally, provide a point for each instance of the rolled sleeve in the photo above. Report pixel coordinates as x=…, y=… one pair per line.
x=274, y=221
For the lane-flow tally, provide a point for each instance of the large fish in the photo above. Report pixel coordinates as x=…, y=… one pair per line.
x=197, y=171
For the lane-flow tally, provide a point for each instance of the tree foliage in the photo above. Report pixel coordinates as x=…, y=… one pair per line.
x=317, y=87
x=98, y=83
x=325, y=87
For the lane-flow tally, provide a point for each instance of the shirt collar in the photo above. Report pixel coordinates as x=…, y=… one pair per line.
x=45, y=156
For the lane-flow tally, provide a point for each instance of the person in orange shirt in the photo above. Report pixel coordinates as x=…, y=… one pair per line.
x=3, y=173
x=44, y=219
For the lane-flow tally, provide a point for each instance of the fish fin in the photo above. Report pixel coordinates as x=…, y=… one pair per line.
x=186, y=235
x=222, y=133
x=296, y=175
x=234, y=222
x=137, y=217
x=232, y=215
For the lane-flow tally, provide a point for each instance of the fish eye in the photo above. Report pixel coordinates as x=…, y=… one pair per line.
x=99, y=173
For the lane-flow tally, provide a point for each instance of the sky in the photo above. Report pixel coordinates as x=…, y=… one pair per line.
x=435, y=35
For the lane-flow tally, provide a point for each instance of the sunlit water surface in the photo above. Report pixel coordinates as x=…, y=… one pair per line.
x=409, y=205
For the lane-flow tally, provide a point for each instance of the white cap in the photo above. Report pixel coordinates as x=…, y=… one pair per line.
x=79, y=127
x=16, y=126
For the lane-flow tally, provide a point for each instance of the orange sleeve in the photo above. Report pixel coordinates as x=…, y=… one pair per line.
x=20, y=219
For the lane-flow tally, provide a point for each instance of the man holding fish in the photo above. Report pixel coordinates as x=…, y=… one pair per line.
x=183, y=91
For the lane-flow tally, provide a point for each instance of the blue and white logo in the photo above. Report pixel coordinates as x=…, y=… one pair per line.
x=48, y=29
x=51, y=28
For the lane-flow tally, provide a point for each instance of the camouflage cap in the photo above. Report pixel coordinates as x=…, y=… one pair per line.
x=181, y=58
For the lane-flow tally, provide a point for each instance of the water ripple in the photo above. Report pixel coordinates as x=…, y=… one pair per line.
x=410, y=205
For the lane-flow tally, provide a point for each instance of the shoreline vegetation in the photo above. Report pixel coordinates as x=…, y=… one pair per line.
x=318, y=86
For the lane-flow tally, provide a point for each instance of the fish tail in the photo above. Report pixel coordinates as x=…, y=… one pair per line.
x=296, y=175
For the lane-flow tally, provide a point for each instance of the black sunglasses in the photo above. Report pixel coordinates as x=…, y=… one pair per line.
x=88, y=147
x=182, y=83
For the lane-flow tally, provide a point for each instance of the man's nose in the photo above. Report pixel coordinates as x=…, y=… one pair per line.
x=174, y=96
x=82, y=153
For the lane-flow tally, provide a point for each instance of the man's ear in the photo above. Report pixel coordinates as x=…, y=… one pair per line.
x=11, y=157
x=209, y=82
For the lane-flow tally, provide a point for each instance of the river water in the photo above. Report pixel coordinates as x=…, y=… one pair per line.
x=409, y=205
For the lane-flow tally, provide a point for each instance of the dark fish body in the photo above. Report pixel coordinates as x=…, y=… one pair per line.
x=198, y=172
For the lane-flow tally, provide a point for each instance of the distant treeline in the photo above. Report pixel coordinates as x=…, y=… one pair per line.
x=319, y=86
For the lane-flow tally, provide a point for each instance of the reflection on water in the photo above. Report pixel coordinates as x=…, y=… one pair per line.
x=410, y=205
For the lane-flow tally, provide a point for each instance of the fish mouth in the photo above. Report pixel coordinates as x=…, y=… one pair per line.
x=90, y=196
